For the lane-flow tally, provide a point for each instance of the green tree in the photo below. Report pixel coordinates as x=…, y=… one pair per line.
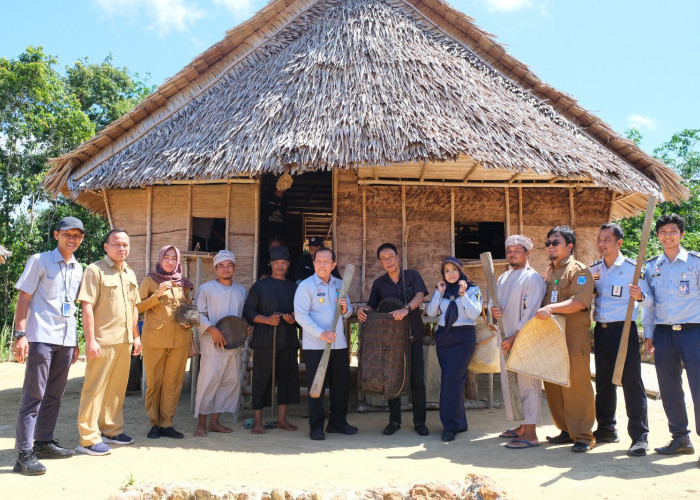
x=682, y=153
x=44, y=114
x=104, y=91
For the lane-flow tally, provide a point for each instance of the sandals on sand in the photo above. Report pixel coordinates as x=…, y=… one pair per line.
x=520, y=444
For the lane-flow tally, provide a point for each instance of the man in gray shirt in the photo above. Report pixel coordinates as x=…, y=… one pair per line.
x=45, y=338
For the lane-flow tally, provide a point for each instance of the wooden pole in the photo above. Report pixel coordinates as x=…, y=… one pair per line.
x=256, y=231
x=572, y=213
x=149, y=221
x=516, y=404
x=612, y=206
x=507, y=199
x=403, y=227
x=228, y=216
x=194, y=361
x=452, y=221
x=364, y=241
x=188, y=236
x=624, y=339
x=520, y=210
x=110, y=219
x=335, y=211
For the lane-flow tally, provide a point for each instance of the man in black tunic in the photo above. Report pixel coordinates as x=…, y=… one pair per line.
x=408, y=287
x=270, y=308
x=305, y=268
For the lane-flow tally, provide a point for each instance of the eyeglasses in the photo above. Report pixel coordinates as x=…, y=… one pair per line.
x=552, y=243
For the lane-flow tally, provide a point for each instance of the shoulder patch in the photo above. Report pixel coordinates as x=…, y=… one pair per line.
x=630, y=261
x=597, y=262
x=581, y=280
x=653, y=258
x=693, y=252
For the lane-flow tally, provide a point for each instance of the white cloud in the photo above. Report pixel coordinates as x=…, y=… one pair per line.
x=508, y=5
x=166, y=15
x=237, y=7
x=641, y=122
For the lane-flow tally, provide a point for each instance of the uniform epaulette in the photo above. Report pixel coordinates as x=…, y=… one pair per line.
x=630, y=261
x=597, y=262
x=693, y=252
x=653, y=258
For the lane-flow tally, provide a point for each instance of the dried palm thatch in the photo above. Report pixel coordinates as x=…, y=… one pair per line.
x=318, y=85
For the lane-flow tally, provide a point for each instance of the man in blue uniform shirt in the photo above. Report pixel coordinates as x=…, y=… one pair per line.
x=612, y=276
x=671, y=323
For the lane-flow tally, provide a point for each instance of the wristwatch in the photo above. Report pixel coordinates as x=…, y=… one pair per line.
x=18, y=334
x=408, y=308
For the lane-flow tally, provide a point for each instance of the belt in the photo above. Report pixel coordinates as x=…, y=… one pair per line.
x=612, y=324
x=680, y=328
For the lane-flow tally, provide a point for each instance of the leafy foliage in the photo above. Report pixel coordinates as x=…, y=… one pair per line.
x=682, y=153
x=44, y=114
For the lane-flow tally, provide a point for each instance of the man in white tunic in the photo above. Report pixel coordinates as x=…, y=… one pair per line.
x=520, y=292
x=219, y=383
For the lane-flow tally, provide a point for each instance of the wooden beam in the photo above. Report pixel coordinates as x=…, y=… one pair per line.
x=404, y=235
x=514, y=178
x=228, y=217
x=520, y=210
x=108, y=208
x=364, y=241
x=149, y=222
x=507, y=200
x=422, y=170
x=256, y=231
x=572, y=213
x=188, y=235
x=334, y=224
x=612, y=206
x=397, y=182
x=452, y=221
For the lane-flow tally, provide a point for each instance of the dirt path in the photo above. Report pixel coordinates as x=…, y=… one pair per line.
x=290, y=460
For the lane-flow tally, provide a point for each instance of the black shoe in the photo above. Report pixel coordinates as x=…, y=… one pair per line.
x=421, y=429
x=345, y=428
x=677, y=446
x=154, y=433
x=603, y=435
x=448, y=436
x=391, y=428
x=170, y=432
x=28, y=464
x=562, y=438
x=317, y=435
x=580, y=447
x=51, y=449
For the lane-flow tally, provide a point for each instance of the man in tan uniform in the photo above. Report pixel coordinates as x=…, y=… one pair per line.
x=570, y=292
x=108, y=294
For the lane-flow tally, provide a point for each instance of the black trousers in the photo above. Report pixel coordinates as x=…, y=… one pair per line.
x=338, y=379
x=286, y=373
x=607, y=342
x=417, y=388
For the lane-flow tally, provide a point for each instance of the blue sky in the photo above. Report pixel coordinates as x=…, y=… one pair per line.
x=633, y=63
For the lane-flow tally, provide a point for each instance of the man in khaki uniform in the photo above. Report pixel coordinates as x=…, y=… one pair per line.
x=569, y=292
x=109, y=294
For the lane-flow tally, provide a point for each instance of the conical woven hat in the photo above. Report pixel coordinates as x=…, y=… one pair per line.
x=540, y=351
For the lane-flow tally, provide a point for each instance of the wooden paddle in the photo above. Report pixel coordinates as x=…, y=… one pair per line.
x=317, y=385
x=624, y=339
x=515, y=403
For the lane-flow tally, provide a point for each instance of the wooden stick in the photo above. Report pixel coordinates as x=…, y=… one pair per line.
x=452, y=221
x=149, y=226
x=516, y=404
x=520, y=210
x=507, y=208
x=105, y=197
x=364, y=240
x=317, y=385
x=624, y=339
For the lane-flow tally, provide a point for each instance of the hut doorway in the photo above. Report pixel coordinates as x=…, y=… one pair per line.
x=302, y=211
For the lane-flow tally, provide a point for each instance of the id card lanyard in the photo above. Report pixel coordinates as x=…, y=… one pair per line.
x=555, y=293
x=65, y=305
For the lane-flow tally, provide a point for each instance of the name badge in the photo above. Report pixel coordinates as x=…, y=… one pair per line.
x=685, y=288
x=65, y=309
x=555, y=296
x=617, y=291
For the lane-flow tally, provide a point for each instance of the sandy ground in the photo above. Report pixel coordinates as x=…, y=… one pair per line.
x=284, y=459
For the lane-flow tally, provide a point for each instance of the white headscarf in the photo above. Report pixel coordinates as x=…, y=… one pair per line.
x=518, y=239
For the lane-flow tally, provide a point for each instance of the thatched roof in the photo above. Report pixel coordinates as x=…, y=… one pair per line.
x=315, y=85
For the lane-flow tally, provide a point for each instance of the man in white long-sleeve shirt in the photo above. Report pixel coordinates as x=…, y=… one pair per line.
x=520, y=293
x=314, y=309
x=219, y=382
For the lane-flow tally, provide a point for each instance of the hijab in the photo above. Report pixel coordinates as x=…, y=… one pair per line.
x=452, y=291
x=159, y=276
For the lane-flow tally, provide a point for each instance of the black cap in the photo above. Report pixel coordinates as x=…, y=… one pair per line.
x=315, y=241
x=279, y=253
x=70, y=223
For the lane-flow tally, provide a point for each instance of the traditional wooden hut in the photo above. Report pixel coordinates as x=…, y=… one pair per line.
x=400, y=120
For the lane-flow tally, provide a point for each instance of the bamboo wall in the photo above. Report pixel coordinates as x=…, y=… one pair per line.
x=171, y=209
x=428, y=224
